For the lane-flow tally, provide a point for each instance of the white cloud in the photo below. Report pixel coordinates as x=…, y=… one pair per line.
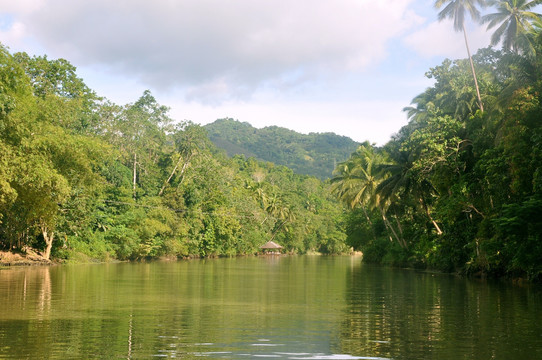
x=438, y=39
x=375, y=121
x=308, y=65
x=12, y=33
x=219, y=49
x=21, y=6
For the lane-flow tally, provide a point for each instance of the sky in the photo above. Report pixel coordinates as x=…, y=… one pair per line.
x=342, y=66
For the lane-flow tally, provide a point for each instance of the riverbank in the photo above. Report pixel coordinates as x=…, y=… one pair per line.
x=30, y=258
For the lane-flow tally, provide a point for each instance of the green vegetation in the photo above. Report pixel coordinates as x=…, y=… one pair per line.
x=314, y=154
x=459, y=188
x=82, y=178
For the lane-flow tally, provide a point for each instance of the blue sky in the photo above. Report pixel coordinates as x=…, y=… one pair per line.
x=343, y=66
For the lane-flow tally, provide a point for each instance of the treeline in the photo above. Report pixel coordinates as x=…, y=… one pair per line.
x=82, y=178
x=313, y=154
x=458, y=188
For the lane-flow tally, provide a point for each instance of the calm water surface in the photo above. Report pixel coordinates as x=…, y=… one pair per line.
x=298, y=307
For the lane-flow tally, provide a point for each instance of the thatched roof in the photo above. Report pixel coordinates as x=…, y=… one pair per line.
x=270, y=245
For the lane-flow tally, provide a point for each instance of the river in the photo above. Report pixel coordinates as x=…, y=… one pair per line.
x=280, y=307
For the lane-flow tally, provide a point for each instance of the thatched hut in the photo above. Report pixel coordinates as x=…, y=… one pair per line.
x=271, y=247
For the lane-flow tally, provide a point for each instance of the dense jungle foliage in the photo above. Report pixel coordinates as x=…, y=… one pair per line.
x=314, y=154
x=82, y=178
x=460, y=187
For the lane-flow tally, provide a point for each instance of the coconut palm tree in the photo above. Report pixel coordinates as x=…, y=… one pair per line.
x=421, y=106
x=355, y=182
x=457, y=10
x=516, y=24
x=403, y=182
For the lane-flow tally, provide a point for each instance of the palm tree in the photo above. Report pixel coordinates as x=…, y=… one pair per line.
x=273, y=205
x=259, y=192
x=402, y=182
x=456, y=10
x=424, y=105
x=515, y=19
x=355, y=182
x=282, y=213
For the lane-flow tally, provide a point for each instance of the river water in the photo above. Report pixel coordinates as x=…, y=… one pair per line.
x=277, y=307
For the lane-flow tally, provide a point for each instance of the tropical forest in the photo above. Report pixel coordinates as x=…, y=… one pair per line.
x=457, y=189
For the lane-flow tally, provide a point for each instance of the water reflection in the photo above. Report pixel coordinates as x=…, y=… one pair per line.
x=130, y=325
x=44, y=298
x=287, y=307
x=26, y=290
x=410, y=315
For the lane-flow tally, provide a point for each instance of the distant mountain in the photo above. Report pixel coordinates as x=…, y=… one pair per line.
x=313, y=154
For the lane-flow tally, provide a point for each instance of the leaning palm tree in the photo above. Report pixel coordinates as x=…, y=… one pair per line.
x=456, y=10
x=516, y=24
x=355, y=182
x=402, y=182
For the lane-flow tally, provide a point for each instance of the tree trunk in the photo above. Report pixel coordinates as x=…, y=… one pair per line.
x=428, y=213
x=399, y=227
x=490, y=196
x=134, y=178
x=473, y=72
x=388, y=225
x=277, y=229
x=369, y=221
x=170, y=175
x=439, y=231
x=185, y=165
x=367, y=215
x=48, y=238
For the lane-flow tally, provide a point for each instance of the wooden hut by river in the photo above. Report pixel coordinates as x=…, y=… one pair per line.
x=271, y=248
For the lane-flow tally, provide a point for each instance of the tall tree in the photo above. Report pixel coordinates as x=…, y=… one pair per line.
x=515, y=19
x=456, y=10
x=190, y=139
x=402, y=183
x=139, y=132
x=356, y=182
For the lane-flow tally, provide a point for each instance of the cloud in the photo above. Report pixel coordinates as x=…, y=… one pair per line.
x=438, y=39
x=21, y=6
x=374, y=120
x=218, y=50
x=12, y=32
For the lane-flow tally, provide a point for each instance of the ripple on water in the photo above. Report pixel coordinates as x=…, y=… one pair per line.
x=288, y=355
x=339, y=357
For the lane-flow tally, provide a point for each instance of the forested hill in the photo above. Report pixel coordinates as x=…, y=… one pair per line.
x=84, y=179
x=313, y=154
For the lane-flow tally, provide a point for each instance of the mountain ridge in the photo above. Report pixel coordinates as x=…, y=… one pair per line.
x=313, y=154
